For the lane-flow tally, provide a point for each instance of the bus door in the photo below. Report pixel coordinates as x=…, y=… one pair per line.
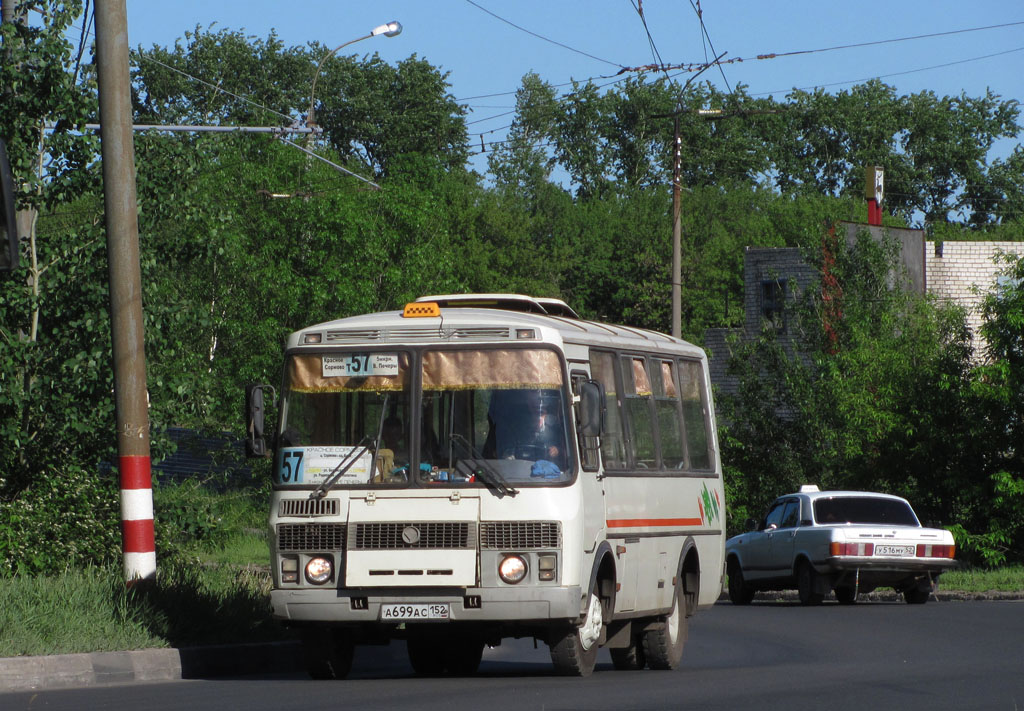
x=591, y=481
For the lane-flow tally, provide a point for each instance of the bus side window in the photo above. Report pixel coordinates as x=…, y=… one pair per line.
x=695, y=414
x=613, y=448
x=669, y=414
x=639, y=401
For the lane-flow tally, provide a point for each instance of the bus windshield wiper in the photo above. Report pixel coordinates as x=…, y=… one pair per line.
x=349, y=460
x=484, y=469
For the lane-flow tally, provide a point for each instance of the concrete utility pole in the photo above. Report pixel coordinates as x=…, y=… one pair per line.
x=126, y=323
x=677, y=231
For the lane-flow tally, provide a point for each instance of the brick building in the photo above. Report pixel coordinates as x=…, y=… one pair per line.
x=957, y=271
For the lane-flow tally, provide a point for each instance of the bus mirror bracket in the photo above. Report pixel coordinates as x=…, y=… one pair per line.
x=592, y=409
x=255, y=414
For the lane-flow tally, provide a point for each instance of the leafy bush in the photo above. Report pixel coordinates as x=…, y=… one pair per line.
x=66, y=518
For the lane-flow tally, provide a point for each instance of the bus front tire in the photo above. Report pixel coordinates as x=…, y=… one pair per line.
x=328, y=652
x=574, y=650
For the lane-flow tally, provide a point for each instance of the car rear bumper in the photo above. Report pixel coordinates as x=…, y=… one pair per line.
x=893, y=565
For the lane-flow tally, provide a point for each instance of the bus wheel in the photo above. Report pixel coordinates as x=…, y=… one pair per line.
x=664, y=645
x=463, y=655
x=629, y=658
x=328, y=652
x=574, y=650
x=426, y=655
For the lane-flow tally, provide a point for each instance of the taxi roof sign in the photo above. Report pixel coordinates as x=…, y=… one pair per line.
x=424, y=309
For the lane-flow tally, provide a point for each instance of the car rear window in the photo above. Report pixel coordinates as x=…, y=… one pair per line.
x=864, y=509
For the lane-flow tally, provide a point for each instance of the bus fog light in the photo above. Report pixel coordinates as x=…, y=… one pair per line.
x=546, y=567
x=319, y=570
x=512, y=569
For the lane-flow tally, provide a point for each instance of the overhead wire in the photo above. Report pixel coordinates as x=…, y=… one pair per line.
x=542, y=37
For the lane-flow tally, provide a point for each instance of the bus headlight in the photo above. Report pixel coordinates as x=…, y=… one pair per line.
x=319, y=570
x=512, y=569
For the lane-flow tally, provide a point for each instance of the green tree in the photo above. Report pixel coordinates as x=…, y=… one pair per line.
x=880, y=403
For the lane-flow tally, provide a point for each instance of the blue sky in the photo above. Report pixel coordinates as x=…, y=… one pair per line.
x=487, y=57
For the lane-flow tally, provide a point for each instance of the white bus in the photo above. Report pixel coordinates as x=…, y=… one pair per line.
x=487, y=466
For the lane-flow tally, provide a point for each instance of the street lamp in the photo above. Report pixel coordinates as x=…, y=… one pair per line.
x=389, y=30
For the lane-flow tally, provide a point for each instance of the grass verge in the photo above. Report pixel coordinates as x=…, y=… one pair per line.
x=93, y=611
x=980, y=580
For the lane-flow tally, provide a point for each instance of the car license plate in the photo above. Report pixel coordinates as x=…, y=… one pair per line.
x=406, y=611
x=896, y=551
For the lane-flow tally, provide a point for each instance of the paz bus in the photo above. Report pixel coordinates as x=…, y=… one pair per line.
x=480, y=467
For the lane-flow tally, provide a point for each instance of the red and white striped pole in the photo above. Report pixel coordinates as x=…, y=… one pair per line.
x=137, y=518
x=126, y=322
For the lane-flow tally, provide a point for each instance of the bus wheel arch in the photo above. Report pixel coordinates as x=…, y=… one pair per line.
x=689, y=576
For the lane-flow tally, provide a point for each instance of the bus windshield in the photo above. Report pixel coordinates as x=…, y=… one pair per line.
x=496, y=417
x=500, y=411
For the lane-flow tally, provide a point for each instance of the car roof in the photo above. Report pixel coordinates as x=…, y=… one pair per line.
x=813, y=495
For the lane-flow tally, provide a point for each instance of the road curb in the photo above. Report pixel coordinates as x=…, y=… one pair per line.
x=65, y=671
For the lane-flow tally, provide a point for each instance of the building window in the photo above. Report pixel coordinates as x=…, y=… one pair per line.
x=773, y=302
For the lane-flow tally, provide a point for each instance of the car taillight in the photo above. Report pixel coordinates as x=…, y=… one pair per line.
x=927, y=550
x=837, y=548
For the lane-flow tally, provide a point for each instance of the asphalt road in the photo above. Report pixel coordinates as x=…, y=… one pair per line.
x=876, y=655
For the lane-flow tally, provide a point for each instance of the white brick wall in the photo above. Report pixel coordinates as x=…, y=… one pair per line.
x=965, y=273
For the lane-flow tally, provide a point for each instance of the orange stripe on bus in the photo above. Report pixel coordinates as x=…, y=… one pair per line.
x=639, y=522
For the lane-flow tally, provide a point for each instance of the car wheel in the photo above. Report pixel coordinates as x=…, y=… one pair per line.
x=629, y=658
x=740, y=591
x=807, y=584
x=328, y=652
x=574, y=650
x=664, y=646
x=916, y=596
x=846, y=595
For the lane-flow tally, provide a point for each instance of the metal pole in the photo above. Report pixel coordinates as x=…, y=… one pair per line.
x=677, y=249
x=126, y=323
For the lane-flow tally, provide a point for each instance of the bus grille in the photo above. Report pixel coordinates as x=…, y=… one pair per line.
x=520, y=535
x=307, y=507
x=310, y=536
x=391, y=536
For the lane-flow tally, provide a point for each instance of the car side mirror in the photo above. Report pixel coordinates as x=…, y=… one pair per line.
x=751, y=524
x=255, y=414
x=592, y=409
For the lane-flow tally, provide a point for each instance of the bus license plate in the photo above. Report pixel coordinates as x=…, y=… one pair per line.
x=897, y=551
x=404, y=612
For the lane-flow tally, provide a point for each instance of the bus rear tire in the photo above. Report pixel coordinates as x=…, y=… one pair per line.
x=631, y=658
x=663, y=646
x=574, y=650
x=328, y=652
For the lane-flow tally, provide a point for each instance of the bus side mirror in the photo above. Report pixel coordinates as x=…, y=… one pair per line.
x=8, y=226
x=592, y=409
x=255, y=412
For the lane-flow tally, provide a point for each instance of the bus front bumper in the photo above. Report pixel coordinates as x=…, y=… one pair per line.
x=464, y=605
